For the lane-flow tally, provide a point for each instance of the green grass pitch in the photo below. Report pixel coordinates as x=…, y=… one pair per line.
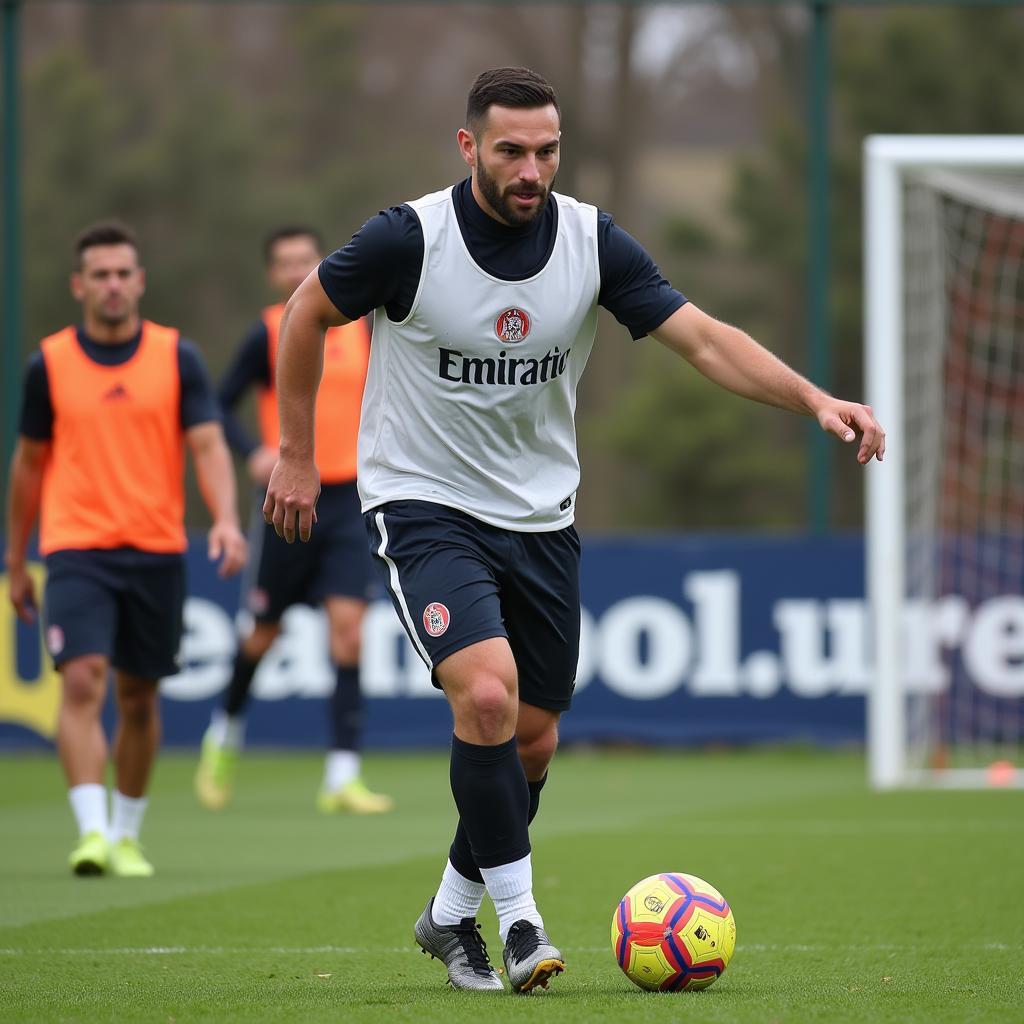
x=850, y=906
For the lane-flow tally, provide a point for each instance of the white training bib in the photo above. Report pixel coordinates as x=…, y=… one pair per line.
x=470, y=401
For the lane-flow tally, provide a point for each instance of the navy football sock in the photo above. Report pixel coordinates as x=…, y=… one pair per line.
x=493, y=798
x=461, y=855
x=237, y=693
x=535, y=788
x=346, y=709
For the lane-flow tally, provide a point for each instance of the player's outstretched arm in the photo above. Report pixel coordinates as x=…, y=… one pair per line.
x=295, y=483
x=216, y=475
x=25, y=489
x=731, y=358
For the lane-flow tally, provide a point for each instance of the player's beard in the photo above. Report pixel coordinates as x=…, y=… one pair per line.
x=501, y=202
x=113, y=317
x=113, y=320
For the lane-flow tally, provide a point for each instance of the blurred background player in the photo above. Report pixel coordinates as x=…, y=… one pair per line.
x=108, y=408
x=335, y=570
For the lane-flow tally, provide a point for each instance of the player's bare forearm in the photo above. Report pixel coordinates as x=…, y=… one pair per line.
x=300, y=363
x=215, y=473
x=295, y=483
x=25, y=490
x=734, y=360
x=26, y=486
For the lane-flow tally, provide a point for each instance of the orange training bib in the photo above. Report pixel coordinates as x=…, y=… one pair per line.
x=115, y=477
x=346, y=357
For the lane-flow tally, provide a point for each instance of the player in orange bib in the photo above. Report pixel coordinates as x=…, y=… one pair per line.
x=109, y=408
x=336, y=571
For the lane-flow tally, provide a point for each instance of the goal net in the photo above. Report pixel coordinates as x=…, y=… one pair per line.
x=944, y=277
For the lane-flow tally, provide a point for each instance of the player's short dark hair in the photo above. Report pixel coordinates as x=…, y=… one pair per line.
x=104, y=232
x=290, y=231
x=507, y=87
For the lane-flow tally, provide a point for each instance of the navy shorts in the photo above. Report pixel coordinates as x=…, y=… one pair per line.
x=456, y=580
x=123, y=604
x=333, y=563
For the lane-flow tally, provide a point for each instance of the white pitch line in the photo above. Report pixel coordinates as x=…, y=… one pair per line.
x=754, y=947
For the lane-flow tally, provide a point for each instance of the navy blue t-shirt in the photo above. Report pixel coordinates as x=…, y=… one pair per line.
x=197, y=401
x=249, y=368
x=381, y=265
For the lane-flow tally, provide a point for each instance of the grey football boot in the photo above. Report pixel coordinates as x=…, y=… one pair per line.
x=530, y=959
x=460, y=947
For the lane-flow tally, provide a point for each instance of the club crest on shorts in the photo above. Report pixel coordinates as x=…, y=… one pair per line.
x=512, y=326
x=54, y=640
x=436, y=618
x=258, y=601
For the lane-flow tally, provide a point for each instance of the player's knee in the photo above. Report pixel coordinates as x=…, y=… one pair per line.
x=491, y=708
x=259, y=641
x=137, y=705
x=85, y=682
x=345, y=626
x=345, y=645
x=536, y=752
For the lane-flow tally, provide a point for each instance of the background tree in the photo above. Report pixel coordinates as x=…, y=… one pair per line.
x=900, y=71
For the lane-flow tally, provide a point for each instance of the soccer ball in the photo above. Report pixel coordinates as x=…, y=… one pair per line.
x=673, y=932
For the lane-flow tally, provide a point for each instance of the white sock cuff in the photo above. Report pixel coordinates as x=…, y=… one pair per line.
x=457, y=898
x=460, y=882
x=507, y=880
x=126, y=816
x=340, y=768
x=89, y=804
x=227, y=730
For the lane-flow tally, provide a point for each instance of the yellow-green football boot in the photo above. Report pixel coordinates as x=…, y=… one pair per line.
x=355, y=798
x=91, y=855
x=127, y=861
x=215, y=776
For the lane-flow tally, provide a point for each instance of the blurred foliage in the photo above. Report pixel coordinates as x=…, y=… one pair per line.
x=694, y=457
x=205, y=125
x=940, y=70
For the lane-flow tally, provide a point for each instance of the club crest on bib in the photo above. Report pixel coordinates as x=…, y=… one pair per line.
x=512, y=326
x=54, y=640
x=436, y=618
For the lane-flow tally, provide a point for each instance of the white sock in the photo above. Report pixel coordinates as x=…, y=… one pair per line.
x=457, y=897
x=126, y=816
x=340, y=768
x=89, y=803
x=227, y=730
x=510, y=886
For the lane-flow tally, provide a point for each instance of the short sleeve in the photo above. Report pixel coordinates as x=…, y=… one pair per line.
x=249, y=368
x=36, y=422
x=380, y=266
x=198, y=404
x=633, y=289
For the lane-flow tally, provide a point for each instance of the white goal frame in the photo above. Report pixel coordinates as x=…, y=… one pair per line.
x=886, y=159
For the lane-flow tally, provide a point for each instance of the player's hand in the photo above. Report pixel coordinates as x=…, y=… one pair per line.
x=261, y=464
x=846, y=420
x=291, y=498
x=226, y=543
x=23, y=593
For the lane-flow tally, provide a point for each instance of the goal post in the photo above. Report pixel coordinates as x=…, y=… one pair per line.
x=944, y=372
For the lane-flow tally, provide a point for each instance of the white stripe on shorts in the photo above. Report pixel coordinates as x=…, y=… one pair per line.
x=396, y=588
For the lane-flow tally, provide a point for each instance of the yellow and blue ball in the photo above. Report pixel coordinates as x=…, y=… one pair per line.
x=673, y=932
